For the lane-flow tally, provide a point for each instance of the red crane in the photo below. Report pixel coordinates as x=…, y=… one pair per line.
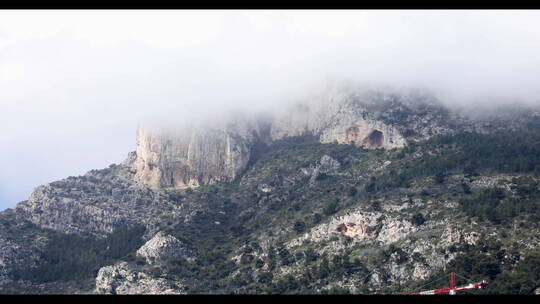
x=452, y=289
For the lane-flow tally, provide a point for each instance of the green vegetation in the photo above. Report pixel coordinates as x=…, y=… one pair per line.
x=499, y=206
x=236, y=219
x=465, y=153
x=503, y=151
x=418, y=219
x=489, y=261
x=70, y=257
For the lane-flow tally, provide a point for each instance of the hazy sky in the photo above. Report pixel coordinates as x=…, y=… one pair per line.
x=74, y=84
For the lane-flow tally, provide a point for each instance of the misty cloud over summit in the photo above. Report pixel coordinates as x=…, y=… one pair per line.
x=74, y=84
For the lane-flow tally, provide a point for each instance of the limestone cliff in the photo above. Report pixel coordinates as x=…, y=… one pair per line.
x=367, y=119
x=208, y=153
x=193, y=157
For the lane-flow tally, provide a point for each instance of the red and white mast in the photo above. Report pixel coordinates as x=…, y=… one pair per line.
x=452, y=289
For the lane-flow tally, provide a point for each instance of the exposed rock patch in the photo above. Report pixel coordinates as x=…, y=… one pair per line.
x=163, y=247
x=122, y=279
x=326, y=166
x=98, y=203
x=189, y=158
x=361, y=226
x=198, y=156
x=338, y=116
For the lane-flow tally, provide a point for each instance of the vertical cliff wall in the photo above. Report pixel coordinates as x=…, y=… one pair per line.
x=205, y=154
x=194, y=156
x=338, y=116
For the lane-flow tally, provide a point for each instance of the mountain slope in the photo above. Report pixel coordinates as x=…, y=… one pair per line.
x=322, y=203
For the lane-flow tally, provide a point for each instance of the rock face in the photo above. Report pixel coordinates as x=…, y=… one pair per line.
x=122, y=279
x=46, y=208
x=98, y=202
x=125, y=278
x=362, y=227
x=189, y=158
x=162, y=247
x=193, y=156
x=342, y=117
x=327, y=165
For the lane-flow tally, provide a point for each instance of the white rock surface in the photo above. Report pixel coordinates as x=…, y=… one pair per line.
x=198, y=155
x=121, y=279
x=336, y=117
x=162, y=247
x=361, y=226
x=192, y=157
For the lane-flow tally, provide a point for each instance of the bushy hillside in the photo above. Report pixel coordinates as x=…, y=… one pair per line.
x=305, y=217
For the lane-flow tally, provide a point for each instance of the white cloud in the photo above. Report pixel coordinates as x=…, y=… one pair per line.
x=73, y=84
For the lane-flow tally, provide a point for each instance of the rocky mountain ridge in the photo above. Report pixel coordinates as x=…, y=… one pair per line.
x=207, y=155
x=357, y=192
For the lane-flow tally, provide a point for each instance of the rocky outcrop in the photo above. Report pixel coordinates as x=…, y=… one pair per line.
x=97, y=203
x=406, y=251
x=338, y=116
x=362, y=227
x=198, y=155
x=50, y=208
x=163, y=247
x=122, y=279
x=201, y=154
x=193, y=157
x=327, y=166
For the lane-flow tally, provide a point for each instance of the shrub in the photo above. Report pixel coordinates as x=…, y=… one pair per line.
x=418, y=219
x=299, y=226
x=331, y=208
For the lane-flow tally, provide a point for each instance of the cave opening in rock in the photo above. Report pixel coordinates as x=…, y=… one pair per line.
x=375, y=139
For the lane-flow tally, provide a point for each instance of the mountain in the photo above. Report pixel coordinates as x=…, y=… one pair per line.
x=351, y=191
